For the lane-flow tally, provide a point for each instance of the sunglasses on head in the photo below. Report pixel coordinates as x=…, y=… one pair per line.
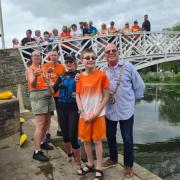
x=90, y=57
x=69, y=61
x=112, y=50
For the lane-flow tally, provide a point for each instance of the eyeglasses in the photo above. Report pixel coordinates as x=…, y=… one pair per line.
x=66, y=62
x=112, y=50
x=90, y=57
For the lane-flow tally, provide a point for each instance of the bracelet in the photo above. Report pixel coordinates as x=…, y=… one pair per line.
x=80, y=111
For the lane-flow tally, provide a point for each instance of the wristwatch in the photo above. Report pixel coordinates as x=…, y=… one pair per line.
x=80, y=111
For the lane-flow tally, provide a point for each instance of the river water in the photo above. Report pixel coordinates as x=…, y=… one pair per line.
x=157, y=131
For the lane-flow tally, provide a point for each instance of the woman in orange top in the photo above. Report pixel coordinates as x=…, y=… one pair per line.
x=54, y=69
x=103, y=30
x=42, y=104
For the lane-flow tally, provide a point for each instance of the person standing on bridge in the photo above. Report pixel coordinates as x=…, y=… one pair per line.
x=127, y=87
x=146, y=26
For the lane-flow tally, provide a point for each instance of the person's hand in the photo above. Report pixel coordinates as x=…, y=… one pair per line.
x=37, y=72
x=88, y=117
x=50, y=70
x=77, y=77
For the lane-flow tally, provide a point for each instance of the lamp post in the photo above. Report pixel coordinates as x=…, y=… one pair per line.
x=1, y=26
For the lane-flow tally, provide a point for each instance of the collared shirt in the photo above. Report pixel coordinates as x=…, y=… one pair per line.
x=131, y=88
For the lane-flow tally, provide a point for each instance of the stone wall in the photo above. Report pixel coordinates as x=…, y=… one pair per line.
x=9, y=117
x=12, y=73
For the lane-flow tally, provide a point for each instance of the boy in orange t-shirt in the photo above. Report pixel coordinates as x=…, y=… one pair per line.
x=92, y=93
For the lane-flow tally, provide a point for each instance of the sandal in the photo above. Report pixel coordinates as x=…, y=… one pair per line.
x=86, y=169
x=101, y=177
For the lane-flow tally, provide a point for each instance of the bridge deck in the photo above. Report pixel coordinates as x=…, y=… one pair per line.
x=17, y=164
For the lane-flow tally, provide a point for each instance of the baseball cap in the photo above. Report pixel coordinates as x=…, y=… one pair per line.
x=70, y=57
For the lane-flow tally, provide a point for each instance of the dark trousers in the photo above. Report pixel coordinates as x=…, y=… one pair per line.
x=126, y=127
x=69, y=120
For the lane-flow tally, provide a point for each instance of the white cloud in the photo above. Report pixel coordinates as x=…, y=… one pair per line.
x=19, y=15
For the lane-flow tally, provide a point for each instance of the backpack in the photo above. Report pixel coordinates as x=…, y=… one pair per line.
x=67, y=89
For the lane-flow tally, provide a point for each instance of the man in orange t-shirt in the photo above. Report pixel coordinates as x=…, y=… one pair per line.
x=92, y=93
x=54, y=69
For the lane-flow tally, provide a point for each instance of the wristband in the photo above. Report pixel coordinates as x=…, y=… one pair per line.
x=80, y=111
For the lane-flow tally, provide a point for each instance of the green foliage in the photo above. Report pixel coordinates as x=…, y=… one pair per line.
x=175, y=79
x=148, y=78
x=176, y=27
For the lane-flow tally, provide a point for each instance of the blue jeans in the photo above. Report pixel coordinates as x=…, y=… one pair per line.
x=126, y=127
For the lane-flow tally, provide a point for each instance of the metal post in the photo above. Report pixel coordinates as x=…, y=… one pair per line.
x=1, y=26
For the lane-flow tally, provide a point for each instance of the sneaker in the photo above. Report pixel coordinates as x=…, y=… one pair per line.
x=40, y=156
x=46, y=146
x=48, y=138
x=128, y=173
x=109, y=163
x=59, y=133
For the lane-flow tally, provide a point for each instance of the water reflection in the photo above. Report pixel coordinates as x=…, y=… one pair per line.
x=157, y=131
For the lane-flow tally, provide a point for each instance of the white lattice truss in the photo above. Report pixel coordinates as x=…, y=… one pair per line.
x=142, y=49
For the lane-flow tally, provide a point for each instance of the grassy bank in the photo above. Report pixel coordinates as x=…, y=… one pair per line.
x=149, y=78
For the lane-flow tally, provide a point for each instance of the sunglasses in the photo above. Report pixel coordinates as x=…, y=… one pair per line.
x=112, y=50
x=66, y=62
x=90, y=57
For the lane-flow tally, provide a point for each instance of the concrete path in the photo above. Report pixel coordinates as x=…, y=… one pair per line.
x=17, y=164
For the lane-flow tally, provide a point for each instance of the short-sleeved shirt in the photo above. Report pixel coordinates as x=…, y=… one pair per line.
x=58, y=70
x=90, y=87
x=25, y=40
x=112, y=30
x=146, y=25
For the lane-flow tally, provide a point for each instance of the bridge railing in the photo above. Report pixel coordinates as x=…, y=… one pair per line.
x=137, y=47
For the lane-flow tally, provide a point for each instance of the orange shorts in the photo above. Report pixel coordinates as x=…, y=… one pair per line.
x=94, y=130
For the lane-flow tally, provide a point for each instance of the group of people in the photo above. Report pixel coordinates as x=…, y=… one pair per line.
x=89, y=105
x=84, y=29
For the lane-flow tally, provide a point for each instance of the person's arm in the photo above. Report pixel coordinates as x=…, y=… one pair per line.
x=32, y=76
x=56, y=86
x=79, y=103
x=102, y=104
x=49, y=85
x=137, y=84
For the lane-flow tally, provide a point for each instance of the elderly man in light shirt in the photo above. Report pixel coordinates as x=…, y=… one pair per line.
x=127, y=87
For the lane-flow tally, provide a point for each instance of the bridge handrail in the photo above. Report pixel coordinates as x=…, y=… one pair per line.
x=136, y=45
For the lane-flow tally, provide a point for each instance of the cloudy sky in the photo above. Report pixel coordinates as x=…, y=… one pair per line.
x=19, y=15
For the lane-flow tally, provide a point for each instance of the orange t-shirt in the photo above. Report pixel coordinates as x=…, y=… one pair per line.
x=58, y=70
x=40, y=81
x=90, y=87
x=135, y=28
x=112, y=30
x=64, y=36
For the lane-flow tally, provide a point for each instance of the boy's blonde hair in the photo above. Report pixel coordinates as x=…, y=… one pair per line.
x=87, y=50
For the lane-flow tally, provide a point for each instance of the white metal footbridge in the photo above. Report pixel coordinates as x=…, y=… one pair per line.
x=141, y=48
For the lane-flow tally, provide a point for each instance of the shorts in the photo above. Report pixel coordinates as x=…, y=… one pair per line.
x=41, y=102
x=92, y=131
